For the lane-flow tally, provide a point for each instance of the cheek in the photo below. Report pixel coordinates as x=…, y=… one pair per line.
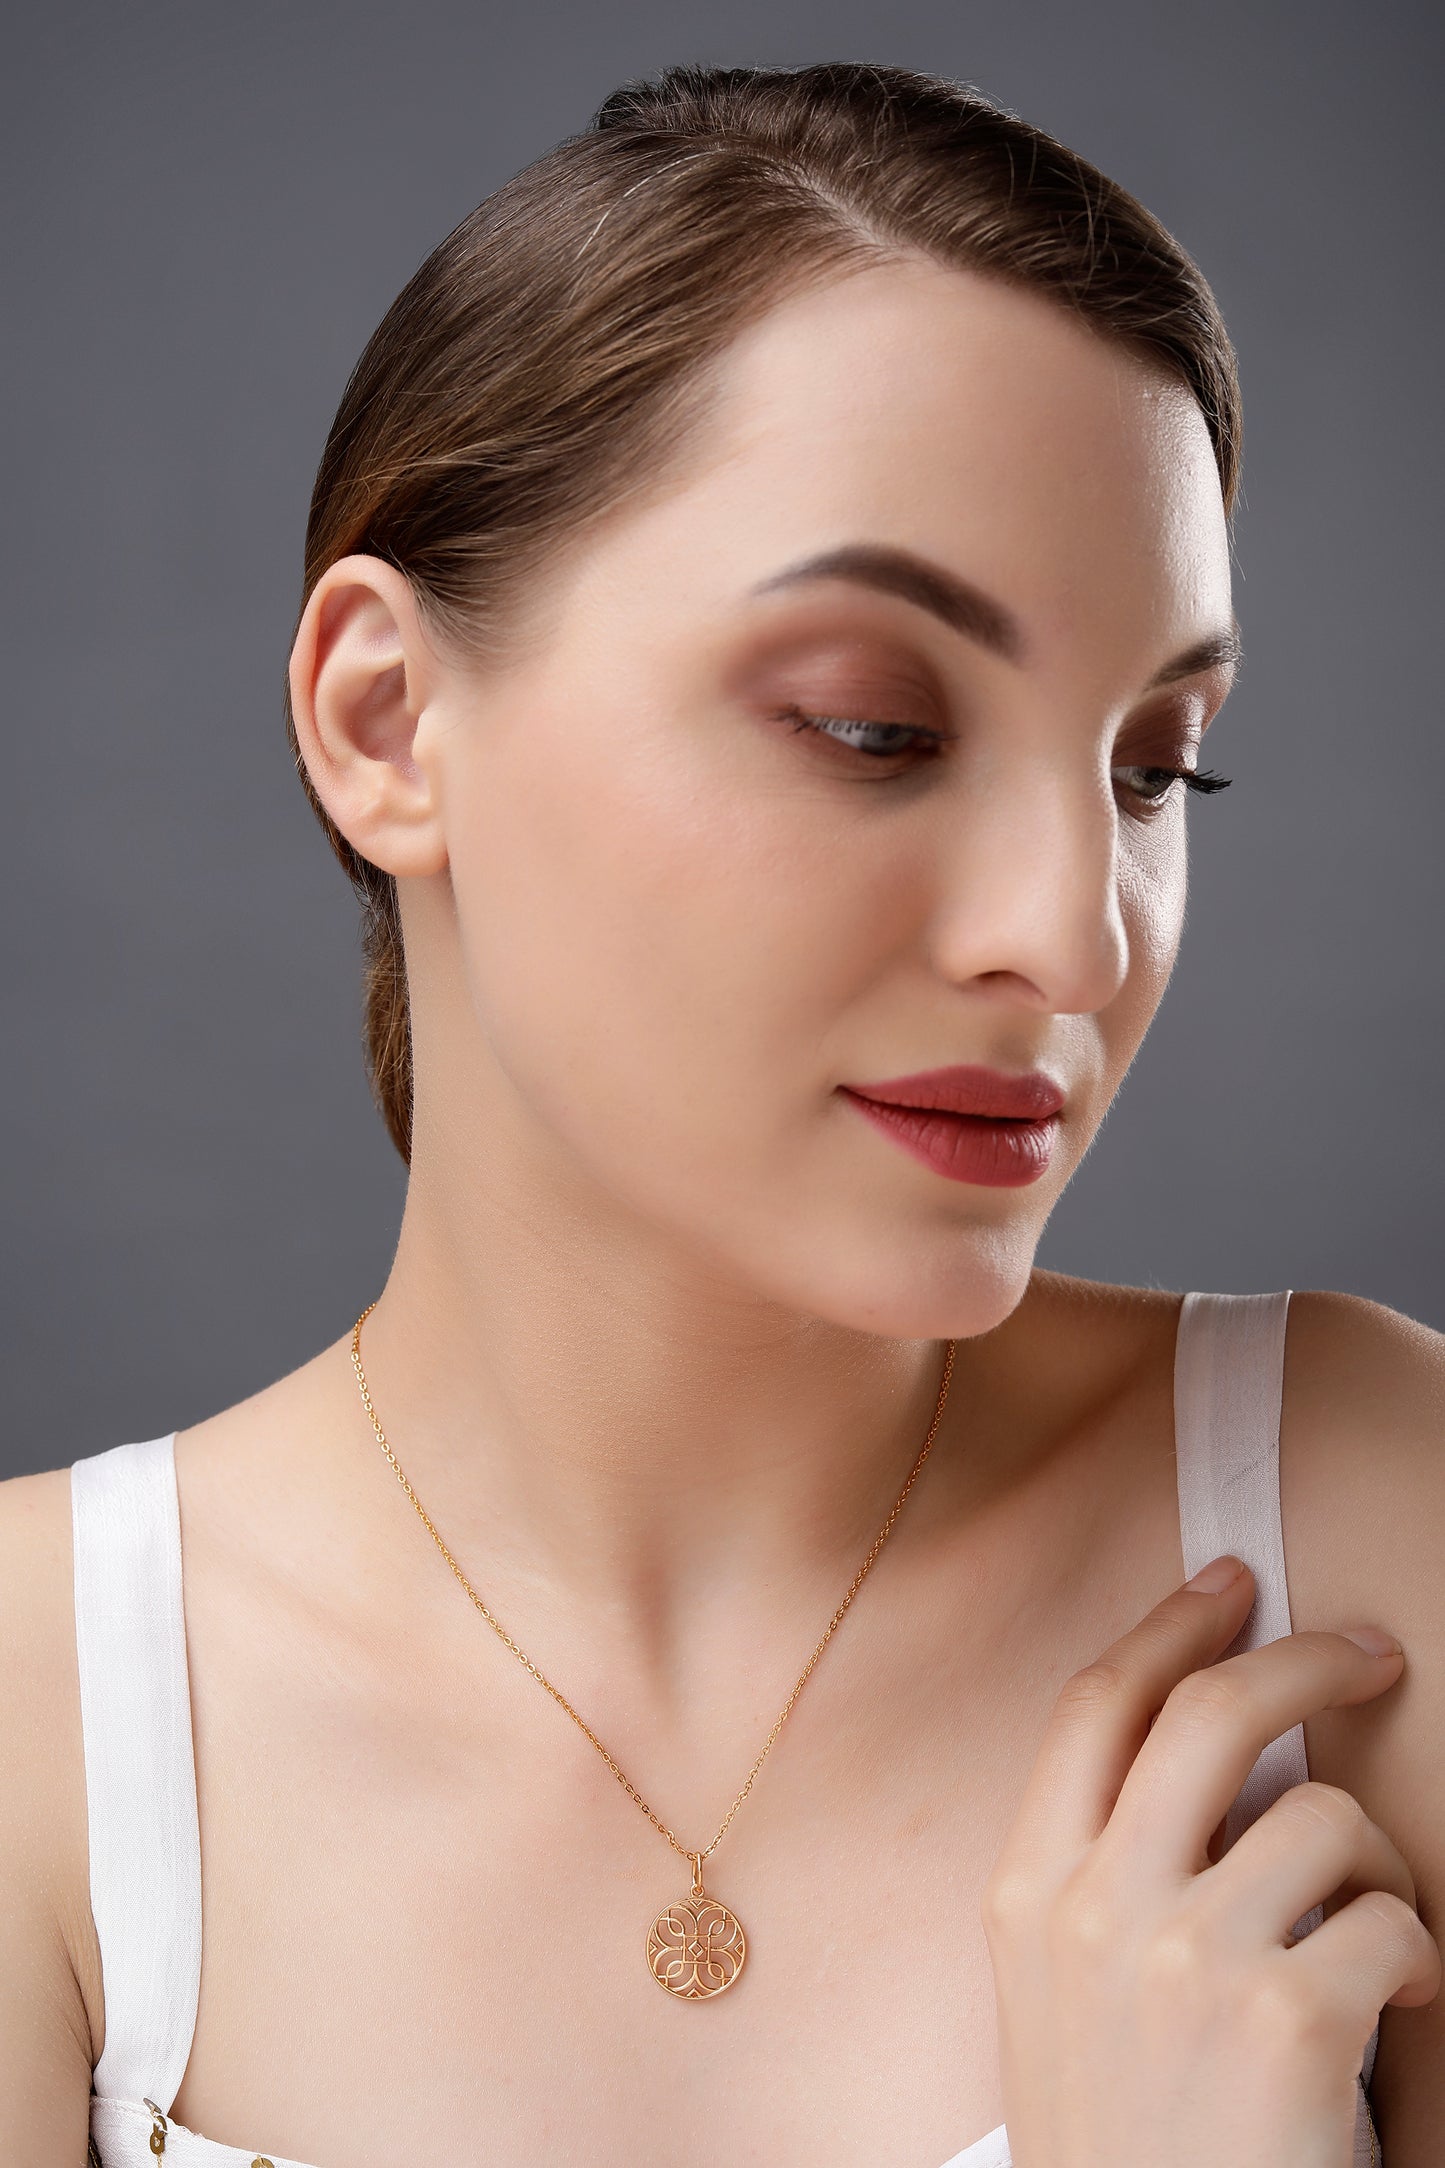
x=1153, y=879
x=658, y=934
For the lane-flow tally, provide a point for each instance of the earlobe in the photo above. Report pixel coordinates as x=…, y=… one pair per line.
x=361, y=673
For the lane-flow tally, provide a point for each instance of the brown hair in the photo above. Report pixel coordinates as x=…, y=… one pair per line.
x=552, y=353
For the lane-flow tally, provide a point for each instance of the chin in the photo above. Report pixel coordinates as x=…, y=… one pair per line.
x=941, y=1285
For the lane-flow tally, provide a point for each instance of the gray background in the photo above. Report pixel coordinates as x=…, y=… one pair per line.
x=210, y=208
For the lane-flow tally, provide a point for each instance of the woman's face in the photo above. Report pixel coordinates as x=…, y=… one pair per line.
x=684, y=917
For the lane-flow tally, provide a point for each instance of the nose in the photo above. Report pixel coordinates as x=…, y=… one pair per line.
x=1030, y=894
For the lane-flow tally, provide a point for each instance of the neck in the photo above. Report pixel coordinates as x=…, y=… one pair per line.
x=607, y=1434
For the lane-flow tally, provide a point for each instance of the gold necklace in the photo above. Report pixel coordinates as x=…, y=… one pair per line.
x=696, y=1947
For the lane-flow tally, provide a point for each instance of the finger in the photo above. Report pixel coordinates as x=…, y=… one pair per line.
x=1314, y=1842
x=1101, y=1717
x=1214, y=1726
x=1374, y=1950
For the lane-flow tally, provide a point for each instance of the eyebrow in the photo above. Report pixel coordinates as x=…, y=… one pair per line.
x=965, y=608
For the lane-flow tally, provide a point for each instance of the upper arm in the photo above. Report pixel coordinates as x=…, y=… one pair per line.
x=49, y=1963
x=1362, y=1482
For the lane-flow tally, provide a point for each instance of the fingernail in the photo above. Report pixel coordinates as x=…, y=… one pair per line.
x=1217, y=1575
x=1373, y=1640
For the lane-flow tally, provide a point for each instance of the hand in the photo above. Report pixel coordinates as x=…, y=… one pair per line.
x=1153, y=2009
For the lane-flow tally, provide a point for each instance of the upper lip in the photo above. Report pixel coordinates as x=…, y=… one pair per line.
x=969, y=1089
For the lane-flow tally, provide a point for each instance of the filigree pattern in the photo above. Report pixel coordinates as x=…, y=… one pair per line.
x=696, y=1948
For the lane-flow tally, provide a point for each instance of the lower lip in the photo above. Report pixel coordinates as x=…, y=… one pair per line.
x=967, y=1147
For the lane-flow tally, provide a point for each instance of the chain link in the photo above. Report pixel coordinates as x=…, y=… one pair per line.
x=686, y=1851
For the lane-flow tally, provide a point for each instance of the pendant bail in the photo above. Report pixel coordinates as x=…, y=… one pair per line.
x=697, y=1888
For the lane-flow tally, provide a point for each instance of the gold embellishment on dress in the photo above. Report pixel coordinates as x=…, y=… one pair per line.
x=159, y=2126
x=261, y=2162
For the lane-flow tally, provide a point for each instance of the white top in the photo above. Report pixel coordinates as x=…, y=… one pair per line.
x=140, y=1776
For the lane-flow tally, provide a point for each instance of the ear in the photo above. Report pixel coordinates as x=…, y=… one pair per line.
x=362, y=672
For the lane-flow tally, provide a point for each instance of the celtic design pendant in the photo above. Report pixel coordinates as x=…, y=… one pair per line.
x=696, y=1947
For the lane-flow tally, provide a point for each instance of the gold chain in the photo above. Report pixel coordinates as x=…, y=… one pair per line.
x=660, y=1826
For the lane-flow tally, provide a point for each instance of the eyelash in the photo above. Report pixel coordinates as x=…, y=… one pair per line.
x=934, y=741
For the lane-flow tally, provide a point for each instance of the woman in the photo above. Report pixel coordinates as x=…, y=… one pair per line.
x=767, y=586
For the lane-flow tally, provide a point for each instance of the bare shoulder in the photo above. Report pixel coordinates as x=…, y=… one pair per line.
x=1362, y=1495
x=49, y=1963
x=1362, y=1466
x=1362, y=1498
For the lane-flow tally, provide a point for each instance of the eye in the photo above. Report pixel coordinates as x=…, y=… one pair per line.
x=1152, y=786
x=909, y=742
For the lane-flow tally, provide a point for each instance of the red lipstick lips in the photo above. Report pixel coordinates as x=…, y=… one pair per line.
x=969, y=1124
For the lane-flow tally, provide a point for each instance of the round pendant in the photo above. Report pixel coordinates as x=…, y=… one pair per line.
x=696, y=1947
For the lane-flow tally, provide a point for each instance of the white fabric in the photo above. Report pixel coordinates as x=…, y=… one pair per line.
x=1230, y=1347
x=987, y=2152
x=140, y=1770
x=120, y=2131
x=1228, y=1379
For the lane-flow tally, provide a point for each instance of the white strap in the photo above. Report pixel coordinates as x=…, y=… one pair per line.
x=1228, y=1375
x=140, y=1772
x=1228, y=1390
x=1228, y=1372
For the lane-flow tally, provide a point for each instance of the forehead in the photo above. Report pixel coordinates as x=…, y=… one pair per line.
x=977, y=424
